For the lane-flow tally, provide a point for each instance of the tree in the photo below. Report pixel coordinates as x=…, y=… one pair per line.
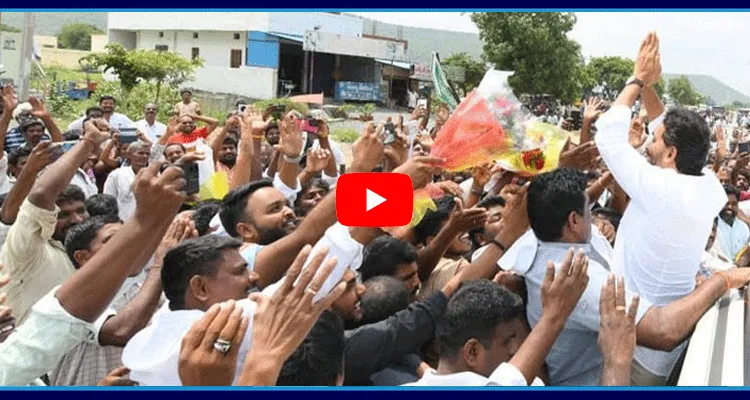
x=133, y=66
x=473, y=70
x=681, y=90
x=536, y=47
x=76, y=36
x=614, y=71
x=8, y=28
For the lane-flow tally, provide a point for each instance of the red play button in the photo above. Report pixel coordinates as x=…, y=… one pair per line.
x=374, y=199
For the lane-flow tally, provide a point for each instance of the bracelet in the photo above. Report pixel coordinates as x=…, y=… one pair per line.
x=294, y=160
x=725, y=277
x=500, y=245
x=478, y=192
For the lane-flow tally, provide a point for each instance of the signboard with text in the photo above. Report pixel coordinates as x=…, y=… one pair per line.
x=324, y=42
x=359, y=91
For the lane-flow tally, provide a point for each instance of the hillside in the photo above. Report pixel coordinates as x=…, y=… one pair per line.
x=49, y=23
x=717, y=90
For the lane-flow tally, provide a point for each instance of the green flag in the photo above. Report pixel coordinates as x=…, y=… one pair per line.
x=443, y=89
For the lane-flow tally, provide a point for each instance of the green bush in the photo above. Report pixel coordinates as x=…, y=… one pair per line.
x=345, y=135
x=347, y=108
x=367, y=109
x=290, y=105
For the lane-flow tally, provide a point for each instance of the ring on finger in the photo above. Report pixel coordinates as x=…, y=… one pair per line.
x=222, y=346
x=620, y=308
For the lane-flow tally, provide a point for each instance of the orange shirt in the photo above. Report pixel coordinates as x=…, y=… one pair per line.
x=183, y=138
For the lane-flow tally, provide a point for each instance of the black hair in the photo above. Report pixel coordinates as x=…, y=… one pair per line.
x=15, y=155
x=199, y=256
x=72, y=135
x=690, y=135
x=229, y=139
x=312, y=183
x=383, y=255
x=203, y=213
x=433, y=220
x=491, y=201
x=80, y=236
x=180, y=145
x=70, y=194
x=474, y=312
x=235, y=202
x=2, y=199
x=95, y=108
x=552, y=197
x=107, y=97
x=183, y=91
x=320, y=357
x=102, y=204
x=731, y=189
x=384, y=297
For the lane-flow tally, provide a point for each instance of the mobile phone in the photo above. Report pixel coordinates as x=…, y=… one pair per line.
x=68, y=144
x=190, y=174
x=390, y=138
x=422, y=103
x=128, y=135
x=744, y=147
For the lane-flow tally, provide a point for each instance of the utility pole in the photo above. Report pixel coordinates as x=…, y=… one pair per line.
x=27, y=54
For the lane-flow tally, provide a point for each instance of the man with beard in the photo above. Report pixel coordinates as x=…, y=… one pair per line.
x=152, y=128
x=669, y=189
x=33, y=252
x=732, y=234
x=119, y=183
x=388, y=256
x=188, y=133
x=227, y=156
x=114, y=119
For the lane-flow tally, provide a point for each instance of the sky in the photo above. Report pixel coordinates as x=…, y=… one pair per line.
x=710, y=43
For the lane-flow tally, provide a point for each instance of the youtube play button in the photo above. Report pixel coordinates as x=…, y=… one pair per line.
x=374, y=199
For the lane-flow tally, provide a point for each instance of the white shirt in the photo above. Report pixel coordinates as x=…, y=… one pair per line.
x=505, y=374
x=5, y=183
x=86, y=183
x=116, y=120
x=38, y=344
x=152, y=355
x=119, y=184
x=664, y=230
x=338, y=155
x=732, y=238
x=153, y=132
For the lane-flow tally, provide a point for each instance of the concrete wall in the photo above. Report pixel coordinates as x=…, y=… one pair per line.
x=198, y=21
x=10, y=55
x=214, y=47
x=127, y=39
x=46, y=41
x=252, y=82
x=98, y=42
x=296, y=23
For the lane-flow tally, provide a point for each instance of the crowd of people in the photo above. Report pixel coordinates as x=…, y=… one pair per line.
x=118, y=272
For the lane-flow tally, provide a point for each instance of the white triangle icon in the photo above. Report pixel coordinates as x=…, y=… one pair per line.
x=373, y=200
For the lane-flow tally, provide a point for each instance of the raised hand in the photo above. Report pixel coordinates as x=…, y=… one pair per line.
x=636, y=135
x=606, y=229
x=420, y=170
x=38, y=108
x=117, y=377
x=464, y=220
x=617, y=327
x=290, y=135
x=481, y=174
x=592, y=109
x=96, y=130
x=43, y=154
x=182, y=229
x=10, y=99
x=450, y=187
x=254, y=120
x=282, y=322
x=419, y=113
x=647, y=66
x=317, y=160
x=368, y=150
x=515, y=220
x=561, y=290
x=158, y=195
x=583, y=157
x=201, y=364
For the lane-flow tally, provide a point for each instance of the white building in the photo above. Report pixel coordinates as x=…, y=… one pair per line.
x=258, y=54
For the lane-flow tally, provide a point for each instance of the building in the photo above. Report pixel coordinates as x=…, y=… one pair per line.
x=263, y=55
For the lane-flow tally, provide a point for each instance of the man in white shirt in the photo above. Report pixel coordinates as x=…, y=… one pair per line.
x=115, y=120
x=732, y=233
x=119, y=183
x=152, y=128
x=673, y=200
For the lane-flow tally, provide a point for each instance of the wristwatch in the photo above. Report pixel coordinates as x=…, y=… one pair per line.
x=634, y=81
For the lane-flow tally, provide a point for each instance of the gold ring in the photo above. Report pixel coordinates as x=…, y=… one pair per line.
x=311, y=291
x=620, y=308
